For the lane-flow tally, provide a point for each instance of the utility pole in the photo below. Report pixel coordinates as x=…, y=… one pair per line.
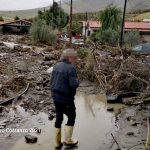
x=86, y=18
x=122, y=29
x=71, y=23
x=53, y=14
x=60, y=3
x=59, y=26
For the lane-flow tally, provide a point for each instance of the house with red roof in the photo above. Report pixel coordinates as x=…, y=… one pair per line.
x=90, y=27
x=142, y=27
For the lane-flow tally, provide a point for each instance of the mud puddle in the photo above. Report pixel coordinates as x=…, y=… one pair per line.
x=92, y=128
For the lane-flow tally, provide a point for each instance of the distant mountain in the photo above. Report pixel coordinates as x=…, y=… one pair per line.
x=95, y=5
x=83, y=6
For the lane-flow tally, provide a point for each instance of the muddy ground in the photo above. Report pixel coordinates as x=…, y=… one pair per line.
x=27, y=65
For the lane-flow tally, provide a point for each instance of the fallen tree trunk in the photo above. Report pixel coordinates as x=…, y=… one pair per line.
x=146, y=101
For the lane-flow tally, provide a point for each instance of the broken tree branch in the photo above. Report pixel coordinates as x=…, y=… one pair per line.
x=4, y=102
x=112, y=145
x=148, y=135
x=130, y=74
x=135, y=146
x=115, y=141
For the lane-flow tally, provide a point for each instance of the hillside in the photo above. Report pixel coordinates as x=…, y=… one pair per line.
x=85, y=5
x=9, y=15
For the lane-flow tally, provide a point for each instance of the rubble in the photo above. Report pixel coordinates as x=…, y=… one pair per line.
x=31, y=139
x=130, y=134
x=110, y=109
x=120, y=74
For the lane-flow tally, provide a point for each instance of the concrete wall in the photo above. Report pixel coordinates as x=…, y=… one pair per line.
x=89, y=31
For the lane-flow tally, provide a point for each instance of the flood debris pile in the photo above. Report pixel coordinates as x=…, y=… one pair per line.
x=85, y=65
x=133, y=76
x=120, y=74
x=125, y=79
x=22, y=65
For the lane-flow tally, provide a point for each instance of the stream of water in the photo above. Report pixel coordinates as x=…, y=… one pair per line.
x=93, y=125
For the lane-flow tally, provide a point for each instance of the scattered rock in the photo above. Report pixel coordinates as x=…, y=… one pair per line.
x=41, y=102
x=31, y=139
x=110, y=109
x=18, y=47
x=2, y=127
x=39, y=81
x=26, y=49
x=38, y=88
x=49, y=70
x=4, y=122
x=49, y=57
x=48, y=63
x=134, y=124
x=1, y=44
x=112, y=99
x=128, y=118
x=51, y=116
x=119, y=98
x=1, y=109
x=130, y=134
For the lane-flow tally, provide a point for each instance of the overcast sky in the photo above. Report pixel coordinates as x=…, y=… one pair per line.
x=23, y=4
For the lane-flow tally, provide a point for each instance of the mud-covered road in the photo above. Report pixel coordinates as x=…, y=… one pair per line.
x=125, y=127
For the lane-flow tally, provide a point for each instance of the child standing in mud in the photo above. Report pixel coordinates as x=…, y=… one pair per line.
x=64, y=82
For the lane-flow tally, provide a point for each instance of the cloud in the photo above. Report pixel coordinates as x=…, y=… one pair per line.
x=23, y=4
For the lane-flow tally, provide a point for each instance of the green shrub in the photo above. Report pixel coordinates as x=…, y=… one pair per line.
x=1, y=18
x=16, y=18
x=93, y=37
x=42, y=33
x=76, y=28
x=132, y=38
x=108, y=36
x=82, y=53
